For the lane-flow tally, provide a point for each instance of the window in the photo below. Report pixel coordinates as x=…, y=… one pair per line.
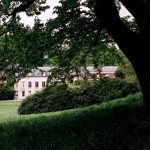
x=16, y=85
x=43, y=84
x=36, y=84
x=22, y=83
x=43, y=73
x=23, y=93
x=47, y=73
x=29, y=92
x=29, y=84
x=16, y=93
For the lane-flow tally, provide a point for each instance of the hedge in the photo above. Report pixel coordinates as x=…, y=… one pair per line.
x=62, y=97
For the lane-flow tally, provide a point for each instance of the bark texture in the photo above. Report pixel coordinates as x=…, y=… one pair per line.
x=134, y=45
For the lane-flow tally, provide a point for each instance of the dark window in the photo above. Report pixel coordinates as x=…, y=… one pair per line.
x=36, y=84
x=29, y=92
x=23, y=93
x=16, y=93
x=43, y=84
x=29, y=84
x=22, y=83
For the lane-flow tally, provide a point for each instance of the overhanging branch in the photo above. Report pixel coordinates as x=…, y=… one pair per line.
x=139, y=9
x=109, y=18
x=21, y=8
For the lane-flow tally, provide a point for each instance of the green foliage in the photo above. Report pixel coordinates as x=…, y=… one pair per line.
x=18, y=49
x=119, y=74
x=76, y=39
x=108, y=89
x=120, y=124
x=6, y=93
x=69, y=41
x=53, y=98
x=61, y=97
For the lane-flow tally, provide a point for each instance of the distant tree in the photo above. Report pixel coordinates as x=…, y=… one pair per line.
x=21, y=50
x=16, y=40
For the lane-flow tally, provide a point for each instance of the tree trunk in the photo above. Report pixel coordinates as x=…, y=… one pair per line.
x=137, y=51
x=142, y=69
x=143, y=74
x=134, y=45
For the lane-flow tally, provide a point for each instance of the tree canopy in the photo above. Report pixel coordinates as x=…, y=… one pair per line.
x=81, y=28
x=69, y=41
x=134, y=44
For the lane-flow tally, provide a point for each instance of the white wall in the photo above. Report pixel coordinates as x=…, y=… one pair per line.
x=22, y=85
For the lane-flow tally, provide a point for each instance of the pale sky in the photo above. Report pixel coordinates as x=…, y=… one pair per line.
x=124, y=12
x=44, y=16
x=48, y=14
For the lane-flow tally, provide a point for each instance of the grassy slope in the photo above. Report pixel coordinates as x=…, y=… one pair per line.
x=119, y=124
x=8, y=109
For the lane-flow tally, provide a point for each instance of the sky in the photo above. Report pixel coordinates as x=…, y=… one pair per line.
x=44, y=16
x=48, y=13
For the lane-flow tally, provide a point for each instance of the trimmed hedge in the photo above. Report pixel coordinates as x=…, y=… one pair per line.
x=6, y=93
x=62, y=97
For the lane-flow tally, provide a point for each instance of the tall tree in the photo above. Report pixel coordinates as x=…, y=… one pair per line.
x=77, y=27
x=16, y=40
x=68, y=43
x=135, y=45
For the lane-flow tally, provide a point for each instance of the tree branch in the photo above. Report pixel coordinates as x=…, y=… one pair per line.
x=109, y=18
x=139, y=9
x=22, y=7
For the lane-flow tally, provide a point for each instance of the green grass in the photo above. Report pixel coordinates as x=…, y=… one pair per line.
x=8, y=109
x=120, y=124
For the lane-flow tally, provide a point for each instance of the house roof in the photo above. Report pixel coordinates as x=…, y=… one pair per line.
x=45, y=69
x=109, y=69
x=104, y=70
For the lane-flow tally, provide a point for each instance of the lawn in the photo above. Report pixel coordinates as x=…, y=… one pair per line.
x=121, y=124
x=9, y=112
x=8, y=109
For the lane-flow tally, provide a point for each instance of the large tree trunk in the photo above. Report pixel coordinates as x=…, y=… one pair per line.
x=134, y=45
x=141, y=65
x=143, y=73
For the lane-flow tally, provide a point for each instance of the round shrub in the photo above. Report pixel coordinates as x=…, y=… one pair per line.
x=6, y=93
x=52, y=98
x=62, y=97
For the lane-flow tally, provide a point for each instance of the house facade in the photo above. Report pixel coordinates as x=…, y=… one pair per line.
x=36, y=80
x=32, y=83
x=109, y=71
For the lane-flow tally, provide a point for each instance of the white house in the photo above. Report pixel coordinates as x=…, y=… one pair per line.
x=109, y=71
x=34, y=82
x=37, y=79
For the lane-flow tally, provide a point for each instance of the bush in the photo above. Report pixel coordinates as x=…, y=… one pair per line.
x=53, y=98
x=108, y=89
x=61, y=97
x=6, y=93
x=119, y=74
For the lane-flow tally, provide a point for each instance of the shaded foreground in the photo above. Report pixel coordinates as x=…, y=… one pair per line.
x=119, y=124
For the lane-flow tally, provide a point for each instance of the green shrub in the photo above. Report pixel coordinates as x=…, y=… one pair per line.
x=53, y=98
x=6, y=93
x=119, y=74
x=108, y=89
x=62, y=97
